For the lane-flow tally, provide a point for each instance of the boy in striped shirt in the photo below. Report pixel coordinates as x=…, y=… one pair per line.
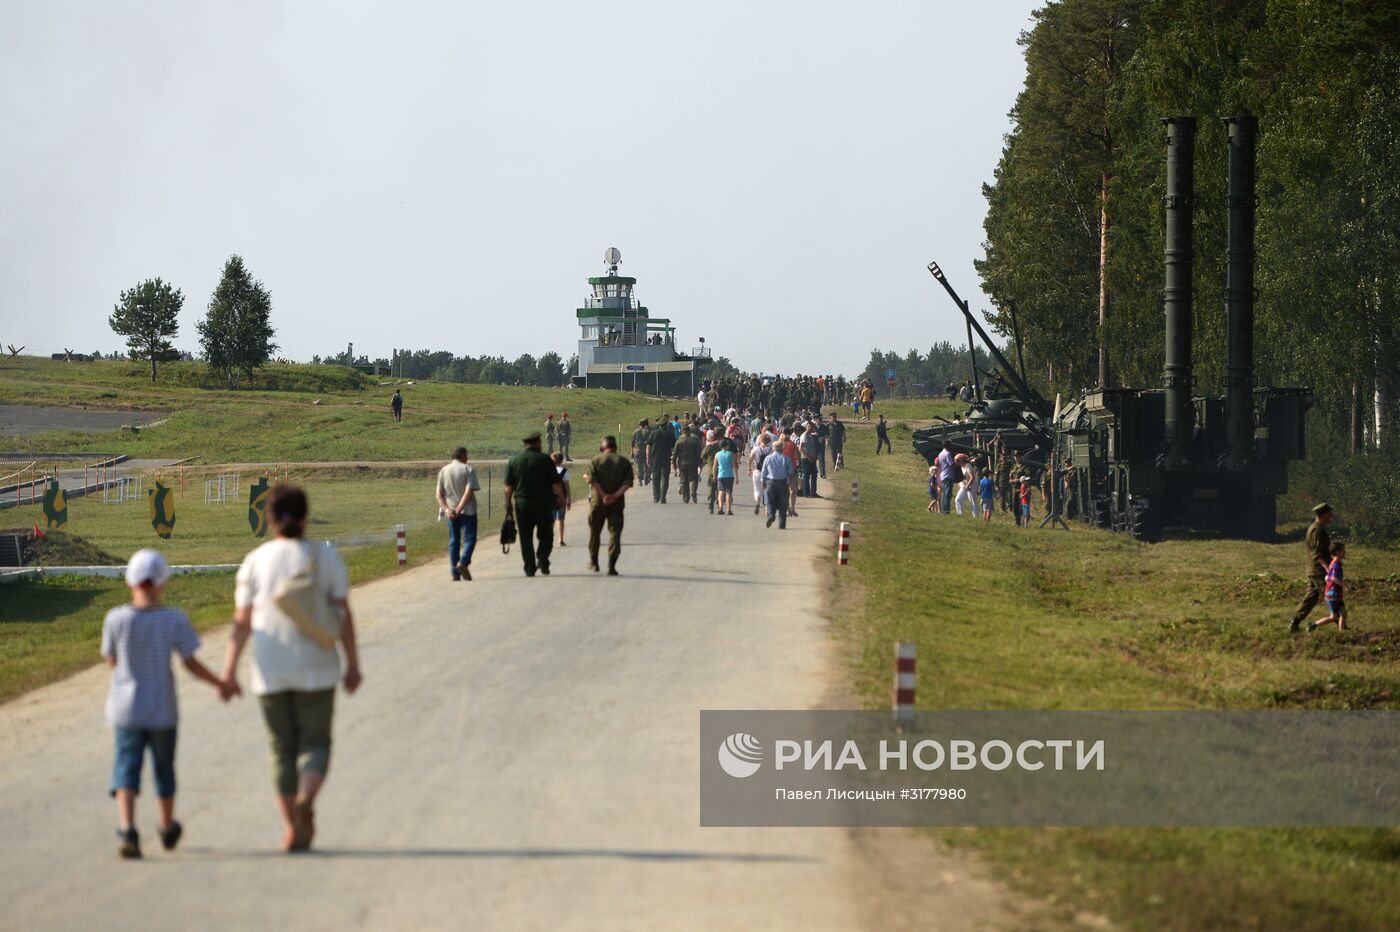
x=137, y=641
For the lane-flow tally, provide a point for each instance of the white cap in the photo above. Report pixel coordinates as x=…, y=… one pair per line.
x=147, y=566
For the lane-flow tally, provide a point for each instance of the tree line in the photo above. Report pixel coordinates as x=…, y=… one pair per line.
x=548, y=370
x=1074, y=222
x=922, y=375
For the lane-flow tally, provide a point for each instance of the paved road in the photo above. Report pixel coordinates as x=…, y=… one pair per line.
x=16, y=420
x=523, y=754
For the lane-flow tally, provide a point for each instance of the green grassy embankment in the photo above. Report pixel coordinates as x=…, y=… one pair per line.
x=304, y=413
x=1008, y=618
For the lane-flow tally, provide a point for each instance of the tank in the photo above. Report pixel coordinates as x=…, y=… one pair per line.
x=1007, y=415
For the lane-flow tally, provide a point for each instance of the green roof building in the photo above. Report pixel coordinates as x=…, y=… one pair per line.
x=623, y=347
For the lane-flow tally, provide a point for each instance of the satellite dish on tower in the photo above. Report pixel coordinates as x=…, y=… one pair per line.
x=613, y=256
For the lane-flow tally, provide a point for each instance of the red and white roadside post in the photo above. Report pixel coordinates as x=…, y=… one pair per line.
x=855, y=492
x=401, y=542
x=843, y=544
x=904, y=679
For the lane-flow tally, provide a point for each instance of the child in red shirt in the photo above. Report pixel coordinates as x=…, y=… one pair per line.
x=1336, y=605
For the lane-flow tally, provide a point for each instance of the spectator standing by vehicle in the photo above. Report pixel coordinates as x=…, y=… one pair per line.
x=457, y=486
x=966, y=485
x=986, y=488
x=949, y=474
x=533, y=493
x=293, y=674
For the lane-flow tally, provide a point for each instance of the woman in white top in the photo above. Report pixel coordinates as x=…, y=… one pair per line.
x=294, y=677
x=967, y=487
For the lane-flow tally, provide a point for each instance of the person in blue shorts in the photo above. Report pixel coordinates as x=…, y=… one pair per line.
x=137, y=641
x=1336, y=603
x=724, y=476
x=986, y=489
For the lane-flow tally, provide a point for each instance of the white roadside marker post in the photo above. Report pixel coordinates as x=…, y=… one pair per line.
x=843, y=544
x=402, y=544
x=904, y=680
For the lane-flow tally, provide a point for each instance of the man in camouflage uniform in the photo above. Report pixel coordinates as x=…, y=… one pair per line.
x=1319, y=544
x=687, y=458
x=610, y=476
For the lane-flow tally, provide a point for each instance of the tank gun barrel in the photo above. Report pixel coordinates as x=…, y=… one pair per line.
x=1032, y=399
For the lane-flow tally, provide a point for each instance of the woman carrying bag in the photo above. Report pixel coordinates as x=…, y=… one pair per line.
x=292, y=597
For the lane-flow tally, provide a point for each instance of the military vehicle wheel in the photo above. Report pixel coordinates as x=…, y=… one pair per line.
x=1144, y=522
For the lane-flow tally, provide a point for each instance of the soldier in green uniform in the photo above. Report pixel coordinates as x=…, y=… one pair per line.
x=687, y=457
x=1319, y=545
x=660, y=442
x=533, y=492
x=610, y=476
x=639, y=450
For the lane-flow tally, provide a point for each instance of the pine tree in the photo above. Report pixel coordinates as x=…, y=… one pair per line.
x=236, y=332
x=148, y=316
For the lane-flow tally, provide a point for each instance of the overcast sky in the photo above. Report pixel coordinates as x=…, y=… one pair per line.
x=445, y=175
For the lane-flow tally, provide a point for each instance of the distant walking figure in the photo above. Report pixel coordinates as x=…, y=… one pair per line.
x=396, y=405
x=294, y=675
x=882, y=437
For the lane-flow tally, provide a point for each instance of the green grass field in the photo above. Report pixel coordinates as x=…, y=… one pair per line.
x=1009, y=618
x=317, y=413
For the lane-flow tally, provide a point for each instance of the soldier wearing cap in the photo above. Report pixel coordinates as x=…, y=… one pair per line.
x=687, y=458
x=533, y=492
x=609, y=476
x=1319, y=544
